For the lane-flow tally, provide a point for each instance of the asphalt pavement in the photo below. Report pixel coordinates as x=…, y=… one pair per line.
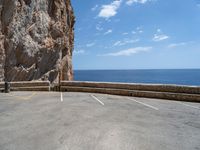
x=87, y=121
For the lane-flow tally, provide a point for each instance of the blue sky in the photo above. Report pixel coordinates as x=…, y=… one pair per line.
x=137, y=34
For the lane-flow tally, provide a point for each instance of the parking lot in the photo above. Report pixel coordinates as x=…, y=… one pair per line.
x=86, y=121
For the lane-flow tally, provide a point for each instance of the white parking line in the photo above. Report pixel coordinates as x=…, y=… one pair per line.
x=147, y=105
x=94, y=97
x=61, y=97
x=189, y=105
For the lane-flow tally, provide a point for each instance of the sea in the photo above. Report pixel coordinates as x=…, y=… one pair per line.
x=151, y=76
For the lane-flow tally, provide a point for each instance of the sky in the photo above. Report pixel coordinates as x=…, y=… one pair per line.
x=136, y=34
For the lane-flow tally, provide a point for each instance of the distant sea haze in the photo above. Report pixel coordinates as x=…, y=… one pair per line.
x=159, y=76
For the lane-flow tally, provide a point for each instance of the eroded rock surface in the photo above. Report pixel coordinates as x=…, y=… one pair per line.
x=36, y=40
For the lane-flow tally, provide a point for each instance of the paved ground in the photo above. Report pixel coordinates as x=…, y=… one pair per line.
x=83, y=121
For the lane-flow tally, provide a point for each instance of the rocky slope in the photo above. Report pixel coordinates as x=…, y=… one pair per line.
x=36, y=40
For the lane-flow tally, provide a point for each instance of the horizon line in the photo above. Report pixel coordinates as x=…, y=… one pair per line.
x=140, y=69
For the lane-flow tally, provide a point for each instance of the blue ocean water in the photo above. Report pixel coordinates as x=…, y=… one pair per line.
x=160, y=76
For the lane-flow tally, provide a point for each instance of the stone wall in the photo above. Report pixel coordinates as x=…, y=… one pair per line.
x=36, y=40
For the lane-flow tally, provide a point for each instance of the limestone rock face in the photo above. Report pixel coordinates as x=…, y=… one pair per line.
x=36, y=40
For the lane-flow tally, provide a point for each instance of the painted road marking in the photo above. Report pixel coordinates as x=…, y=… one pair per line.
x=94, y=97
x=189, y=105
x=23, y=97
x=147, y=105
x=61, y=97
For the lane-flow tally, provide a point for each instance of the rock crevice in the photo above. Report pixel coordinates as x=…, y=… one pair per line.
x=36, y=40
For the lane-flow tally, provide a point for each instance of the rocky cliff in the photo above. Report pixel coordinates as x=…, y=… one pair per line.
x=36, y=40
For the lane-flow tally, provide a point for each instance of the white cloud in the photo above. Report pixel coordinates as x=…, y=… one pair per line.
x=94, y=8
x=129, y=52
x=90, y=44
x=110, y=10
x=98, y=27
x=138, y=30
x=125, y=33
x=108, y=32
x=133, y=32
x=130, y=2
x=125, y=41
x=173, y=45
x=159, y=30
x=78, y=52
x=159, y=36
x=118, y=43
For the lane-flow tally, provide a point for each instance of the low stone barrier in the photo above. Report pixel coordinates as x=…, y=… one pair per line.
x=134, y=86
x=171, y=92
x=30, y=86
x=2, y=86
